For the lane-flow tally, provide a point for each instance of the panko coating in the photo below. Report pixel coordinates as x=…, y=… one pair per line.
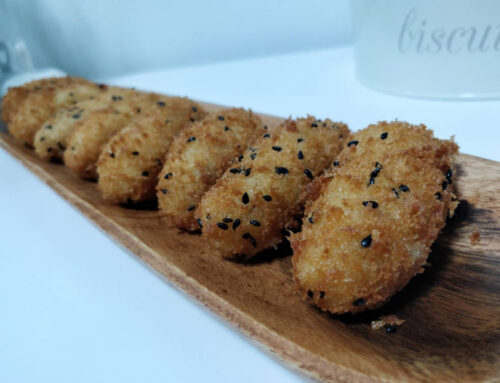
x=198, y=157
x=51, y=139
x=41, y=103
x=372, y=218
x=129, y=164
x=262, y=192
x=86, y=141
x=16, y=95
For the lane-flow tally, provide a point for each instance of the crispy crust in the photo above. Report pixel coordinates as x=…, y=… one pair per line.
x=129, y=164
x=28, y=108
x=330, y=264
x=51, y=139
x=278, y=170
x=192, y=166
x=86, y=141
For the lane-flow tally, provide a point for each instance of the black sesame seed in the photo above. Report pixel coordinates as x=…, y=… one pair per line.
x=300, y=139
x=138, y=110
x=194, y=109
x=200, y=224
x=247, y=172
x=390, y=329
x=300, y=155
x=61, y=146
x=227, y=220
x=267, y=197
x=48, y=127
x=116, y=98
x=42, y=138
x=240, y=157
x=236, y=223
x=191, y=139
x=310, y=294
x=281, y=170
x=244, y=198
x=112, y=155
x=310, y=219
x=308, y=173
x=226, y=128
x=384, y=135
x=145, y=173
x=404, y=188
x=222, y=225
x=314, y=125
x=449, y=174
x=277, y=148
x=336, y=163
x=234, y=170
x=321, y=294
x=168, y=175
x=439, y=196
x=353, y=142
x=267, y=135
x=253, y=155
x=221, y=118
x=358, y=302
x=246, y=236
x=373, y=203
x=135, y=153
x=367, y=241
x=395, y=192
x=192, y=207
x=254, y=222
x=444, y=185
x=374, y=173
x=76, y=116
x=160, y=103
x=253, y=242
x=164, y=191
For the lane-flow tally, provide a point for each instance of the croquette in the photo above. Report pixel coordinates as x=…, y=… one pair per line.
x=371, y=219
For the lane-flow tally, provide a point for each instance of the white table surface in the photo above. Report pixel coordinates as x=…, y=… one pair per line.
x=75, y=306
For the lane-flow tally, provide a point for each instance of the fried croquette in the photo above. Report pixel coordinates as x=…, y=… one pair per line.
x=16, y=95
x=198, y=157
x=86, y=141
x=51, y=139
x=129, y=164
x=261, y=193
x=42, y=102
x=373, y=217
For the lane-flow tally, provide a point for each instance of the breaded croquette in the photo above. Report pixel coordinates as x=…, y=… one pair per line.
x=198, y=157
x=373, y=217
x=51, y=139
x=86, y=141
x=261, y=193
x=42, y=102
x=129, y=164
x=16, y=95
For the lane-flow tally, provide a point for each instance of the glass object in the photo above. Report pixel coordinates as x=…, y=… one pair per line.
x=448, y=49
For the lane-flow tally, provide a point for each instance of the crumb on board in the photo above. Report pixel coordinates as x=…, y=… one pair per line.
x=474, y=238
x=387, y=321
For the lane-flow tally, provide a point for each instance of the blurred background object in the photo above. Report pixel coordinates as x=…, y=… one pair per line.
x=102, y=39
x=432, y=49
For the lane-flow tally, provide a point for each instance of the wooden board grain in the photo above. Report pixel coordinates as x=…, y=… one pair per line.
x=452, y=311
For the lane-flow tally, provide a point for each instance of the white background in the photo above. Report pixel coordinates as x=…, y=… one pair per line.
x=74, y=306
x=101, y=38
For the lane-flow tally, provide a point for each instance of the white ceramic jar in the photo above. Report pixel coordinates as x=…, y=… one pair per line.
x=429, y=48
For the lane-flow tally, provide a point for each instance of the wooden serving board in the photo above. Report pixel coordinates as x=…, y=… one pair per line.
x=452, y=311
